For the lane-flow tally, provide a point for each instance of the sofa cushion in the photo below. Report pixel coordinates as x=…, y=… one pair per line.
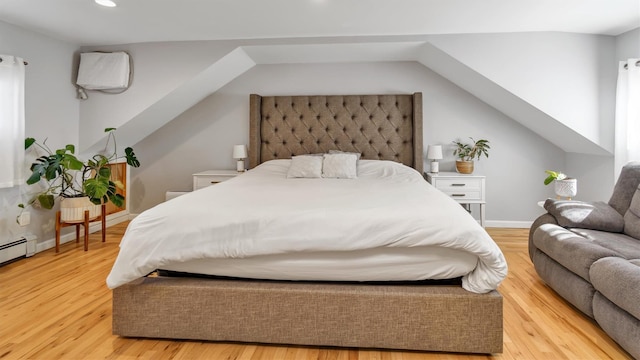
x=619, y=281
x=595, y=215
x=623, y=245
x=574, y=252
x=626, y=185
x=632, y=216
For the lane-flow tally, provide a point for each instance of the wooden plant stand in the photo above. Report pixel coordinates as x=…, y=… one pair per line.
x=61, y=224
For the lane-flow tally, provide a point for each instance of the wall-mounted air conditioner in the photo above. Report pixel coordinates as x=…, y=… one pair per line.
x=108, y=72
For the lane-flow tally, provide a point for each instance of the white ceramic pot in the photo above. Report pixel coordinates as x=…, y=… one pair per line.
x=72, y=209
x=566, y=188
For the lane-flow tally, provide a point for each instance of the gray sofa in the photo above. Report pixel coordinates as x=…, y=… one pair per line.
x=589, y=253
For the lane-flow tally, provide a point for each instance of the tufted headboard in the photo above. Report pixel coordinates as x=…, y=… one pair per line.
x=381, y=127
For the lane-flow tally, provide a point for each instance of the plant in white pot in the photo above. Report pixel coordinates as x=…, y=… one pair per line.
x=563, y=186
x=79, y=185
x=467, y=152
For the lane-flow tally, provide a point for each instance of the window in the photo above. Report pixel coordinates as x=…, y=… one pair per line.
x=11, y=120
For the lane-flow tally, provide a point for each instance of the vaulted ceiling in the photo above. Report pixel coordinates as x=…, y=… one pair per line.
x=355, y=30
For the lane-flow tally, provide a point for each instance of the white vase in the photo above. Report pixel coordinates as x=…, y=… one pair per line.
x=567, y=188
x=72, y=209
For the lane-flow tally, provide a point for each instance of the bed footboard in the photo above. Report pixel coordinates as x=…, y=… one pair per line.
x=432, y=318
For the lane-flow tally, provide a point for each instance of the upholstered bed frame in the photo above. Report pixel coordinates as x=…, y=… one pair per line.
x=380, y=127
x=416, y=317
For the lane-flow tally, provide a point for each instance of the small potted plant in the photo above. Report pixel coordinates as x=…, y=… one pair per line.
x=78, y=184
x=564, y=186
x=467, y=152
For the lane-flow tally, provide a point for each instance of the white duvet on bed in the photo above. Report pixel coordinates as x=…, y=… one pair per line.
x=377, y=264
x=262, y=214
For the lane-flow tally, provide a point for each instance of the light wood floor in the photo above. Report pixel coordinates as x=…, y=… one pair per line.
x=57, y=306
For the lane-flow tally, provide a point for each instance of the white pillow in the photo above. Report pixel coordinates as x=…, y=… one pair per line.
x=344, y=152
x=340, y=166
x=305, y=166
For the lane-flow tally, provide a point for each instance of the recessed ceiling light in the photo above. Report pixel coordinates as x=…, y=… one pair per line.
x=107, y=3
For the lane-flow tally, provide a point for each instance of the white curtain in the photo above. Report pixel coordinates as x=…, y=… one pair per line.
x=11, y=120
x=627, y=114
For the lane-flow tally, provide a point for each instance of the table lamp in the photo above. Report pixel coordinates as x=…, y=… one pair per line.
x=240, y=153
x=434, y=153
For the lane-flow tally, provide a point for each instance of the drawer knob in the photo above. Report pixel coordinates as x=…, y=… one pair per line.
x=458, y=195
x=458, y=184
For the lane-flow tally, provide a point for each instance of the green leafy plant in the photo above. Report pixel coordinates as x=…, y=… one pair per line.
x=67, y=176
x=467, y=152
x=553, y=175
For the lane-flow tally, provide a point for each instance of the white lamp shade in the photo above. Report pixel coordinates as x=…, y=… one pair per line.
x=239, y=151
x=434, y=152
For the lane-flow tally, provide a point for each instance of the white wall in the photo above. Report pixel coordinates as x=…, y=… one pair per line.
x=568, y=76
x=202, y=137
x=157, y=70
x=565, y=76
x=628, y=45
x=594, y=174
x=51, y=111
x=599, y=170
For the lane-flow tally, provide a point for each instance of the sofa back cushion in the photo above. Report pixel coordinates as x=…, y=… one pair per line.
x=632, y=216
x=595, y=215
x=625, y=187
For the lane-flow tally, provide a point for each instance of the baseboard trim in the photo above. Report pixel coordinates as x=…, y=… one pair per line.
x=508, y=224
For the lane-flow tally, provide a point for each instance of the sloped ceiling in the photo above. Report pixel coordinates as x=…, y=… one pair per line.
x=297, y=24
x=243, y=58
x=182, y=98
x=509, y=103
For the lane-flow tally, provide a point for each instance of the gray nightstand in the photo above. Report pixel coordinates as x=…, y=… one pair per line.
x=463, y=188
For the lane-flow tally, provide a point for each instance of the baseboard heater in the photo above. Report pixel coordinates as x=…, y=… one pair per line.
x=23, y=247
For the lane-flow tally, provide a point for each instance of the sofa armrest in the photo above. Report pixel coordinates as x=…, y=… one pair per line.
x=541, y=220
x=585, y=215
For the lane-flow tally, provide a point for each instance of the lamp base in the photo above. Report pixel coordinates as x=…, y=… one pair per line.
x=435, y=167
x=240, y=165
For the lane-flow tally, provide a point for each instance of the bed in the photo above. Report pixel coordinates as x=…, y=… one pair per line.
x=449, y=311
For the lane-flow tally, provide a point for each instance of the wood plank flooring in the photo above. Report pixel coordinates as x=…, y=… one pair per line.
x=57, y=306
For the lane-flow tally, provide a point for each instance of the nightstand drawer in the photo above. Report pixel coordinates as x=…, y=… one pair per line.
x=465, y=189
x=464, y=195
x=462, y=185
x=204, y=181
x=212, y=177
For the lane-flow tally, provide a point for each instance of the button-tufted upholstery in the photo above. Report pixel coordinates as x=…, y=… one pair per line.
x=384, y=127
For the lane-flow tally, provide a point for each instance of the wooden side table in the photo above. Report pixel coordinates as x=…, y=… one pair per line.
x=61, y=224
x=463, y=188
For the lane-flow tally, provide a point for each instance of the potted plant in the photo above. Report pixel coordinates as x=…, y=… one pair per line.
x=83, y=185
x=563, y=186
x=467, y=152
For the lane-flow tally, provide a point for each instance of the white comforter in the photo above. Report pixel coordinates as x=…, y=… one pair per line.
x=262, y=212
